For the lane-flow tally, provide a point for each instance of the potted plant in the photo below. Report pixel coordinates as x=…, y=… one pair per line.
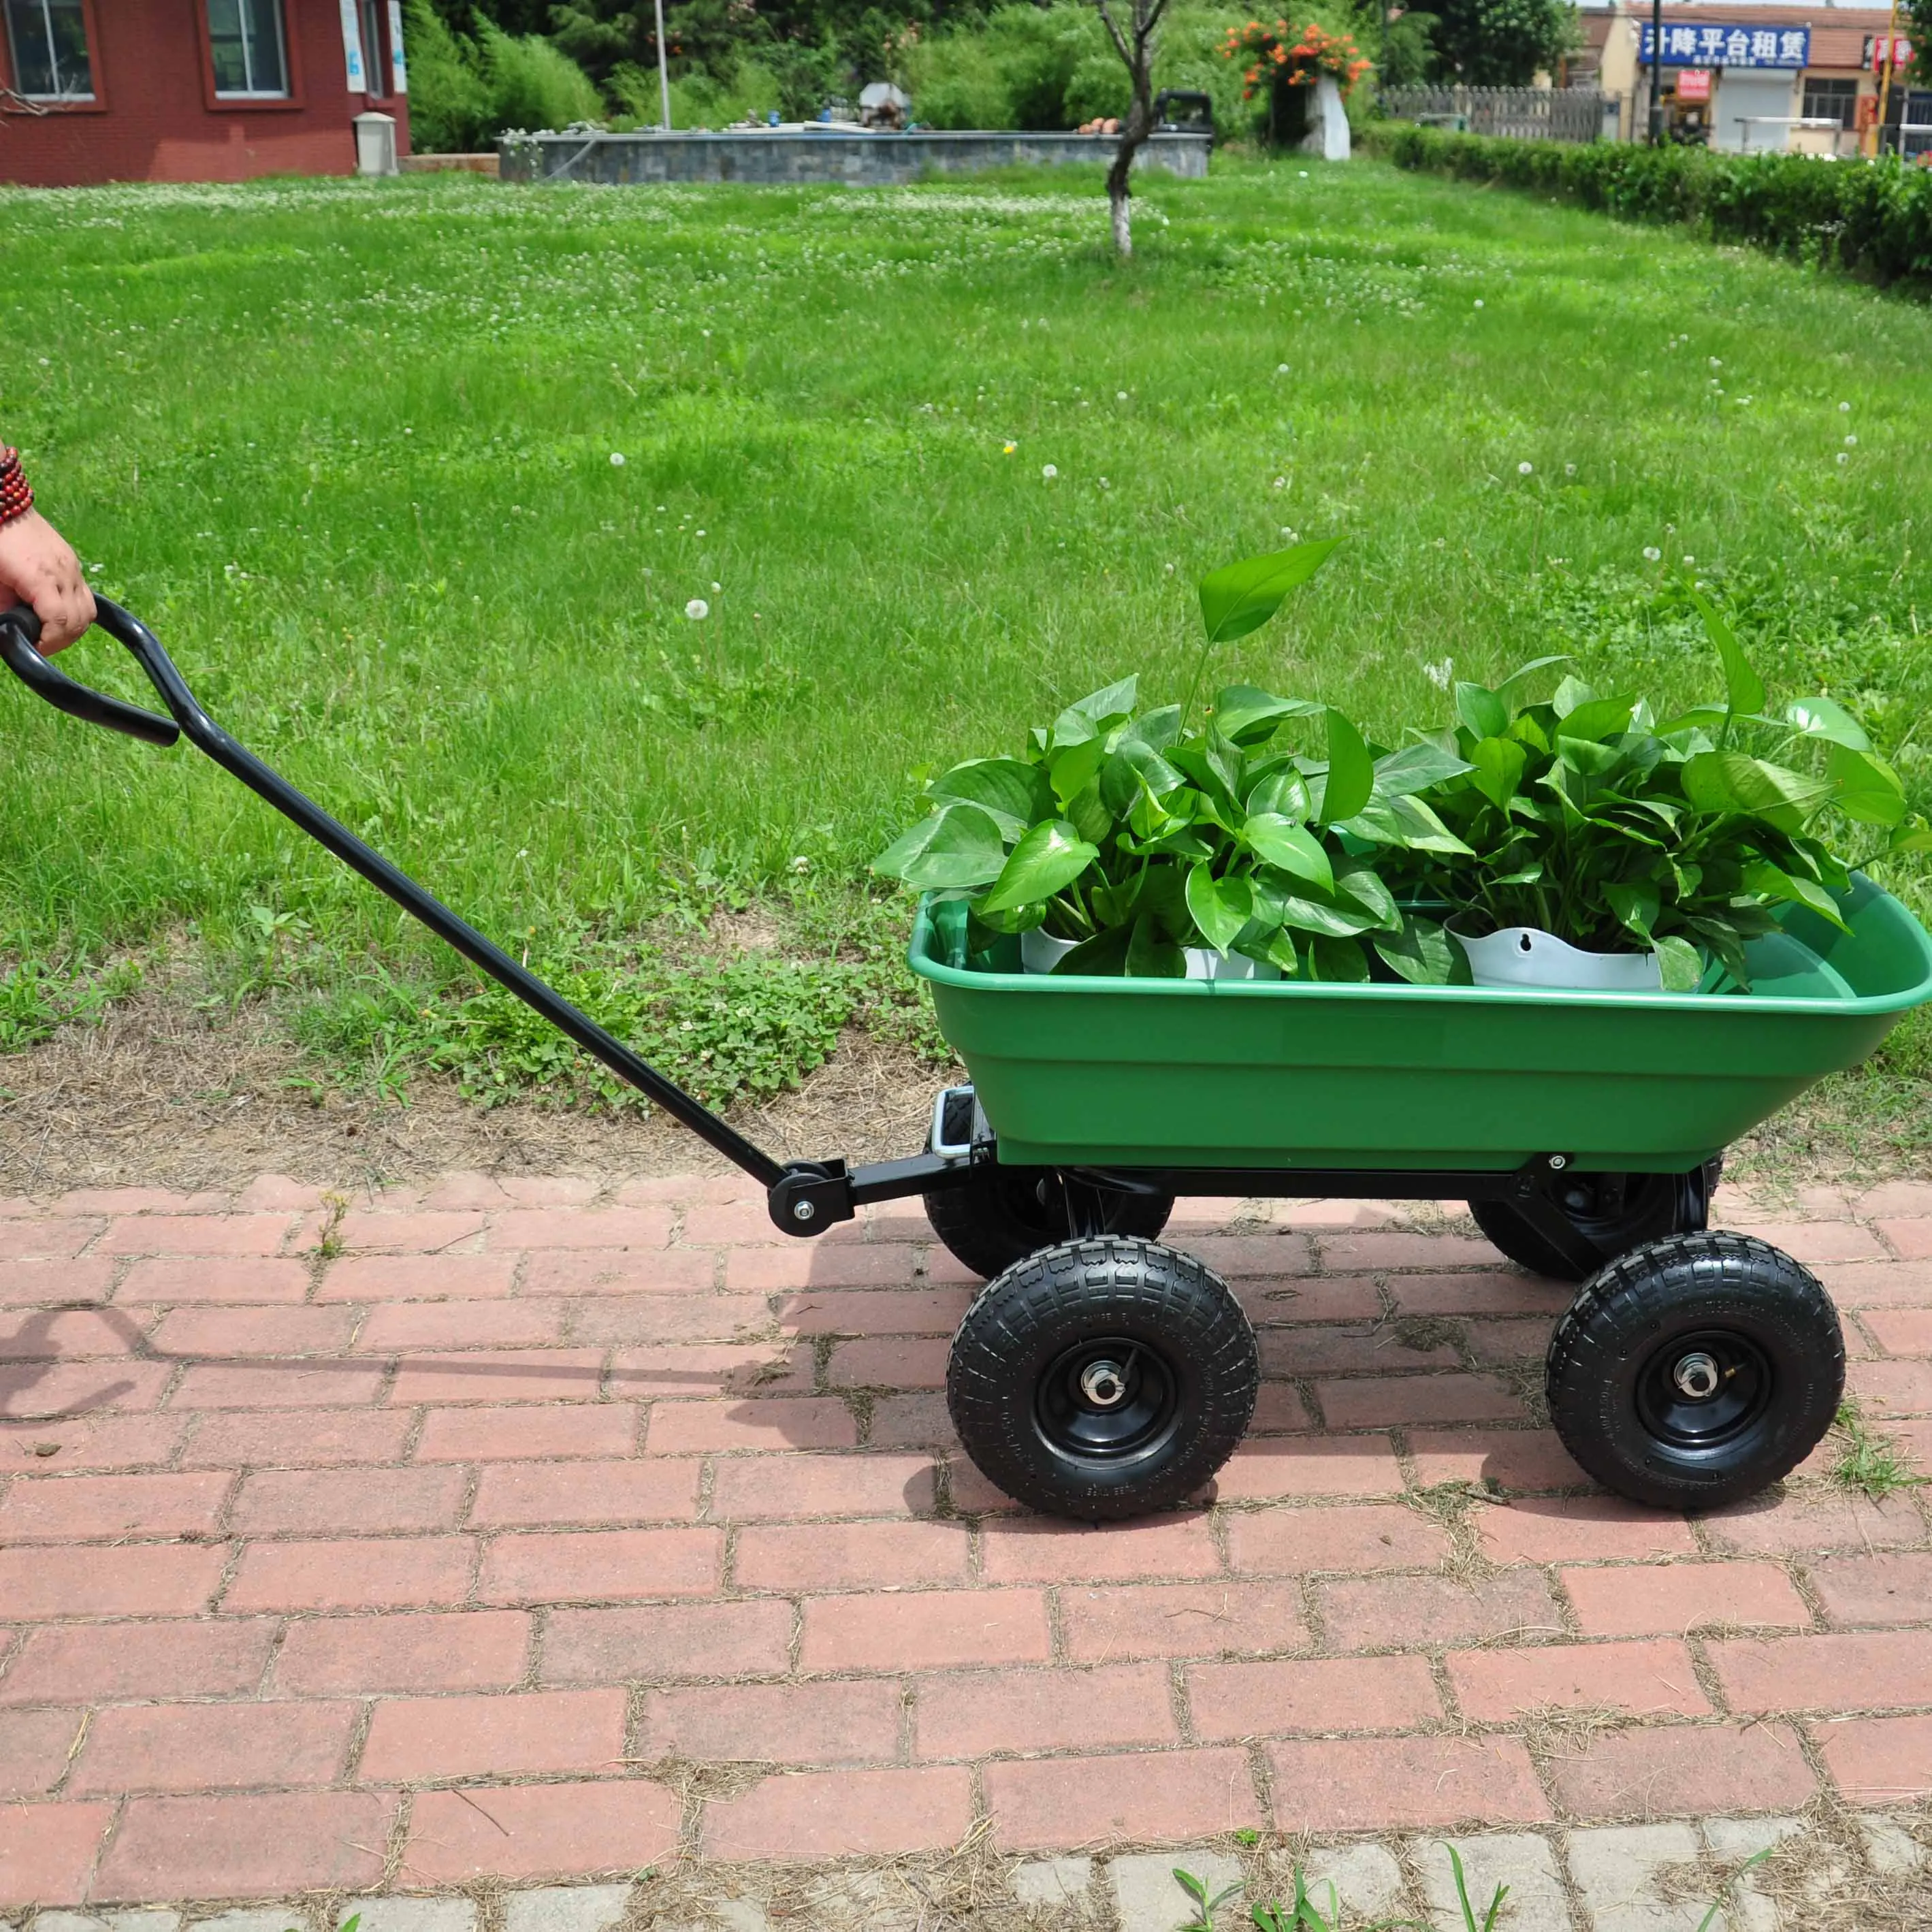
x=1598, y=847
x=1304, y=72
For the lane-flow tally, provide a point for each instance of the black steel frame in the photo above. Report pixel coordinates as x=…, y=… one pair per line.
x=805, y=1197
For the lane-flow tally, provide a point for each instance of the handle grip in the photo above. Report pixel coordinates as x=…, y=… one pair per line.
x=20, y=633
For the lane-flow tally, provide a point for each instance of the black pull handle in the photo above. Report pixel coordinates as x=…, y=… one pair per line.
x=20, y=633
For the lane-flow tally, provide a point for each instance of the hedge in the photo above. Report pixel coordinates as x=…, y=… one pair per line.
x=1873, y=219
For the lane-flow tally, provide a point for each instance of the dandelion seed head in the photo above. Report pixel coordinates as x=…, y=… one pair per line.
x=1851, y=442
x=616, y=459
x=1479, y=301
x=1651, y=554
x=697, y=609
x=1844, y=409
x=1525, y=469
x=1049, y=471
x=1842, y=458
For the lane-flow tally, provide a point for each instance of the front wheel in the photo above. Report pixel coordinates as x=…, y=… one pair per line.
x=1613, y=1212
x=1002, y=1214
x=1695, y=1371
x=1102, y=1378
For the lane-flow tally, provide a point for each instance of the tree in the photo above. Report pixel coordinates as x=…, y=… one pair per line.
x=1136, y=50
x=1500, y=43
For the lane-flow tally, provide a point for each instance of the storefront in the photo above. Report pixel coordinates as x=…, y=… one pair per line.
x=194, y=90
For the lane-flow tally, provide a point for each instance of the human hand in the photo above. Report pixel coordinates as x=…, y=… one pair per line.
x=38, y=567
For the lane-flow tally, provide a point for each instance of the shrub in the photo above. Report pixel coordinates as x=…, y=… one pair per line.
x=449, y=105
x=1873, y=219
x=532, y=84
x=464, y=93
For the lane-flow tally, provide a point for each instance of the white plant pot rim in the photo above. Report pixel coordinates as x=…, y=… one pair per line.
x=1526, y=956
x=1041, y=953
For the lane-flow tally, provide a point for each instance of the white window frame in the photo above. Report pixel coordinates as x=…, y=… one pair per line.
x=45, y=10
x=282, y=93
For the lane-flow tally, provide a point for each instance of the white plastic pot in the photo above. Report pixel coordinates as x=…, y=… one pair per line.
x=1524, y=955
x=1040, y=953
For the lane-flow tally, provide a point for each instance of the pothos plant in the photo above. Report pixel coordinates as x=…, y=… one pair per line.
x=1137, y=834
x=1585, y=816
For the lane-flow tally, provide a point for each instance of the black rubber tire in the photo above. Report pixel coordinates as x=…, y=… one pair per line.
x=1655, y=1207
x=1738, y=1300
x=1005, y=1213
x=1188, y=1359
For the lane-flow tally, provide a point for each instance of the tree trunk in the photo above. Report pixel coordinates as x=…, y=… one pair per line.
x=1134, y=131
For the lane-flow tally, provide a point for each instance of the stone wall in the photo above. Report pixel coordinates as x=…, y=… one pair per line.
x=857, y=159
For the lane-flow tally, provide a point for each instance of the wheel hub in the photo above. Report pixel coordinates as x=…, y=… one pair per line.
x=1701, y=1392
x=1104, y=1384
x=1107, y=1398
x=1697, y=1376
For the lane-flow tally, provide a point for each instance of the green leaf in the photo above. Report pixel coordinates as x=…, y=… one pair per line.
x=1016, y=793
x=1571, y=693
x=1505, y=689
x=1679, y=965
x=1247, y=716
x=1242, y=597
x=1151, y=955
x=1352, y=772
x=1341, y=960
x=1601, y=717
x=1156, y=729
x=1774, y=882
x=1819, y=718
x=1407, y=822
x=1869, y=790
x=1133, y=765
x=1718, y=781
x=1482, y=710
x=957, y=847
x=1114, y=700
x=1743, y=688
x=1914, y=835
x=1415, y=768
x=1323, y=915
x=1421, y=952
x=1635, y=906
x=1285, y=792
x=1221, y=908
x=1086, y=812
x=1071, y=768
x=1104, y=955
x=1293, y=847
x=1049, y=857
x=1358, y=883
x=1496, y=766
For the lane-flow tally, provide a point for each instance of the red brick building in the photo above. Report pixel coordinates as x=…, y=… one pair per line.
x=194, y=90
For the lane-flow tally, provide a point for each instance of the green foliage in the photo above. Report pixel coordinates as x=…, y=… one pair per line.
x=1205, y=1901
x=464, y=91
x=1872, y=218
x=449, y=103
x=1500, y=43
x=1867, y=1460
x=39, y=994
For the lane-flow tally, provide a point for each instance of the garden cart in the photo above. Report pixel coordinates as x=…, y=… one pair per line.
x=1101, y=1374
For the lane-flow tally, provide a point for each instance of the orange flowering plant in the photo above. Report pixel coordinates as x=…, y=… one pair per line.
x=1284, y=55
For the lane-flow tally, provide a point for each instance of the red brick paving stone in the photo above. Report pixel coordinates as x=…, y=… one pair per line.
x=46, y=1237
x=228, y=1329
x=1407, y=1612
x=1810, y=1519
x=136, y=1201
x=244, y=1846
x=1647, y=1678
x=24, y=1283
x=510, y=1434
x=1511, y=1339
x=303, y=1383
x=84, y=1508
x=924, y=1630
x=540, y=1831
x=580, y=1227
x=1041, y=1549
x=745, y=1489
x=1581, y=1529
x=602, y=1563
x=1879, y=1760
x=230, y=1235
x=1513, y=1458
x=47, y=1850
x=693, y=1368
x=1644, y=1600
x=850, y=1555
x=917, y=1420
x=356, y=1573
x=842, y=1724
x=1891, y=1388
x=1366, y=1536
x=1909, y=1198
x=1367, y=1784
x=213, y=1280
x=875, y=1312
x=646, y=1320
x=268, y=1191
x=1324, y=1215
x=894, y=1363
x=1488, y=1293
x=1866, y=1670
x=1047, y=1804
x=500, y=1375
x=1344, y=1251
x=1106, y=1624
x=213, y=1746
x=38, y=1584
x=1327, y=1693
x=666, y=1641
x=1237, y=1256
x=1814, y=1241
x=1280, y=1409
x=809, y=1265
x=73, y=1334
x=312, y=1438
x=464, y=1650
x=536, y=1495
x=375, y=1279
x=1874, y=1589
x=1322, y=1466
x=785, y=1422
x=460, y=1325
x=686, y=1190
x=33, y=1746
x=313, y=1502
x=617, y=1271
x=63, y=1389
x=1370, y=1401
x=830, y=1814
x=91, y=1663
x=1671, y=1770
x=745, y=1220
x=1902, y=1331
x=494, y=1737
x=980, y=1712
x=91, y=1442
x=419, y=1232
x=1346, y=1349
x=1344, y=1298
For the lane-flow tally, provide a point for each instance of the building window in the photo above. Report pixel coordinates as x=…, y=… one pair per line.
x=251, y=60
x=48, y=39
x=1827, y=99
x=372, y=49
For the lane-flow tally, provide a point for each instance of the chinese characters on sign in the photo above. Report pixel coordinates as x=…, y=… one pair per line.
x=1728, y=47
x=1876, y=45
x=1694, y=84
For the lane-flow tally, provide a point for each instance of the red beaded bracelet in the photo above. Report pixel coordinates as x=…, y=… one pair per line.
x=16, y=495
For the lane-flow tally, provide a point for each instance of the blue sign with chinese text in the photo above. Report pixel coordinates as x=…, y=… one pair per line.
x=1728, y=45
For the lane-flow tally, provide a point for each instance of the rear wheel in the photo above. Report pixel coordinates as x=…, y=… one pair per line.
x=1003, y=1214
x=1613, y=1212
x=1102, y=1378
x=1695, y=1371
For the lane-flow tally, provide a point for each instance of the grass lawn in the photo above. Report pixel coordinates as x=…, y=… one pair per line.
x=352, y=450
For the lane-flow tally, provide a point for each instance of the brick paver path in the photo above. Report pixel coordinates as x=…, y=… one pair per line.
x=469, y=1531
